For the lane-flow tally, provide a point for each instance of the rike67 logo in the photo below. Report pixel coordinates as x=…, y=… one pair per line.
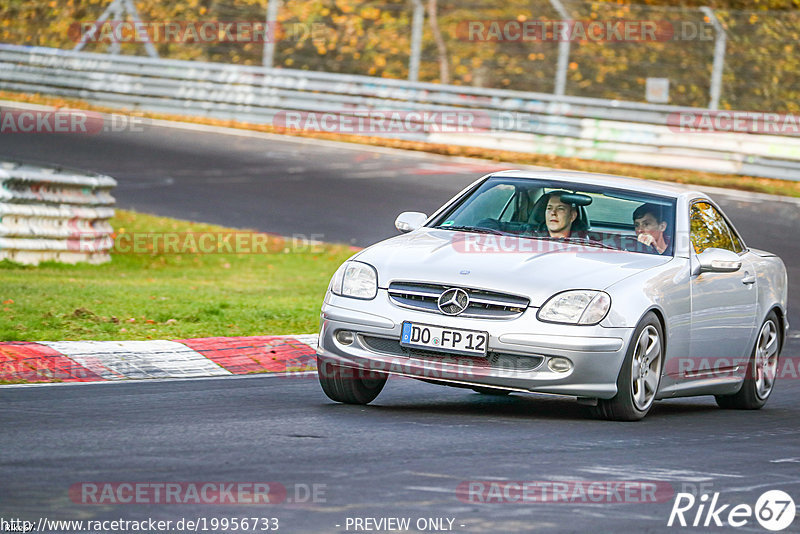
x=774, y=510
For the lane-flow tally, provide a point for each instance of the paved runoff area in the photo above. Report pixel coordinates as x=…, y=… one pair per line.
x=97, y=361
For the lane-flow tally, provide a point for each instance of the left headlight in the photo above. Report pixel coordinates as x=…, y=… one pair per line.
x=583, y=307
x=355, y=279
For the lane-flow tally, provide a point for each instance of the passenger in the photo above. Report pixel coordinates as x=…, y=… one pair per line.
x=650, y=224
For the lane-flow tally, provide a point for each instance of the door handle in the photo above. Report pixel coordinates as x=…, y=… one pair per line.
x=749, y=278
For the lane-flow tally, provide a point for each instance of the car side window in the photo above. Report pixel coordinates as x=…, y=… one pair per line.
x=519, y=206
x=487, y=204
x=709, y=229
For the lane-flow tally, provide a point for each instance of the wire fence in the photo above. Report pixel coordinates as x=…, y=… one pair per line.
x=605, y=50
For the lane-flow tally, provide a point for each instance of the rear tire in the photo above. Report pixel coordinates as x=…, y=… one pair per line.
x=349, y=385
x=640, y=375
x=759, y=379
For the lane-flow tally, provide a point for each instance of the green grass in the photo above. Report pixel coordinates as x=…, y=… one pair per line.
x=168, y=296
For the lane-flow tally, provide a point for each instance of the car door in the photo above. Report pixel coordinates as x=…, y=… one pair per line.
x=723, y=305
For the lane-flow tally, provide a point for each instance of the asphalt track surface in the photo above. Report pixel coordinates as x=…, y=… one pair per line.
x=405, y=454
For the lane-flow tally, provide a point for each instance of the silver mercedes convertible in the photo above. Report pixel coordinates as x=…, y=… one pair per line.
x=617, y=291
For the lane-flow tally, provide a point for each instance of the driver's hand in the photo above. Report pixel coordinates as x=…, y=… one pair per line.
x=646, y=239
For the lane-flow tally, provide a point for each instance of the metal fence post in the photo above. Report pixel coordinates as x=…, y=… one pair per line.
x=719, y=57
x=269, y=42
x=117, y=13
x=416, y=41
x=116, y=10
x=134, y=13
x=563, y=52
x=110, y=10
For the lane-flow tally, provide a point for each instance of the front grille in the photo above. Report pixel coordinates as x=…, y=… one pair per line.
x=493, y=360
x=482, y=304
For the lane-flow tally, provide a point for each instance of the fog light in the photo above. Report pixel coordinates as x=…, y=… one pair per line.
x=345, y=337
x=559, y=365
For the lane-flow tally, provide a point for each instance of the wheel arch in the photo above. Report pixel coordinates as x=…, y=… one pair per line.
x=623, y=406
x=779, y=312
x=659, y=313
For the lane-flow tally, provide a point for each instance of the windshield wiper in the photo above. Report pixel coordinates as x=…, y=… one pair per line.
x=474, y=229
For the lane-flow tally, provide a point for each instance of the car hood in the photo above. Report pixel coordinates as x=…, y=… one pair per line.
x=528, y=267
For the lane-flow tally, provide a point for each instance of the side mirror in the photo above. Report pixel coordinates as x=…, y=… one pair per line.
x=717, y=260
x=408, y=221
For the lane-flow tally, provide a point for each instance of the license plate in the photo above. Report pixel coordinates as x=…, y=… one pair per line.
x=444, y=339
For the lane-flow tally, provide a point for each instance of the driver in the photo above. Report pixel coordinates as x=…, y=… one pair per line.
x=559, y=216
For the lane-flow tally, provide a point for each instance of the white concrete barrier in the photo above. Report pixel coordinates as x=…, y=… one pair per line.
x=49, y=214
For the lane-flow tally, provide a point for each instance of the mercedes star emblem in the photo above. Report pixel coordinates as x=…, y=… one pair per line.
x=453, y=301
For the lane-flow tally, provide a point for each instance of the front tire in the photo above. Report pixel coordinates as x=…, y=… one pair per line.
x=762, y=367
x=349, y=385
x=640, y=375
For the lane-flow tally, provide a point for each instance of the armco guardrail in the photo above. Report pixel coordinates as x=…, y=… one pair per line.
x=54, y=215
x=624, y=132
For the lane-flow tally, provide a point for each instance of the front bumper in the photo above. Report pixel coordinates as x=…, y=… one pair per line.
x=519, y=349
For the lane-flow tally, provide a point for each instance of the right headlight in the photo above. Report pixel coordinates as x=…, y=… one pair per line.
x=580, y=306
x=355, y=279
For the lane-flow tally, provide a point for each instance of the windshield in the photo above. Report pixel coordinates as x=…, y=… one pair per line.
x=564, y=211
